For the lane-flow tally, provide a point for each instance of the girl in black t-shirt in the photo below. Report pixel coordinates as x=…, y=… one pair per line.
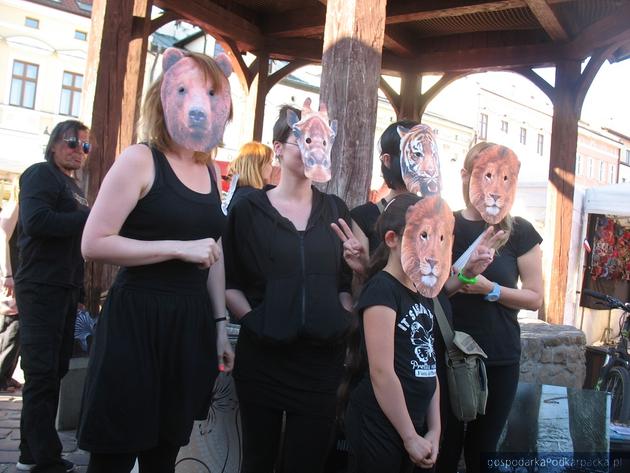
x=397, y=393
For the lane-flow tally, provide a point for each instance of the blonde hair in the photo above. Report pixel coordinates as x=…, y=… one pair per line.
x=507, y=224
x=251, y=159
x=152, y=125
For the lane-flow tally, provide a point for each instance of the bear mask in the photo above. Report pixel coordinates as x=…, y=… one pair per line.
x=195, y=114
x=315, y=137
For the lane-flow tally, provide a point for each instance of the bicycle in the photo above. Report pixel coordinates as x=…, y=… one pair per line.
x=614, y=376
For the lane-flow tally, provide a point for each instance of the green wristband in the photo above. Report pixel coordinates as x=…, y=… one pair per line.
x=464, y=280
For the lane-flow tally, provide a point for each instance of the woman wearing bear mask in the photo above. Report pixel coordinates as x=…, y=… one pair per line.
x=487, y=306
x=290, y=289
x=161, y=338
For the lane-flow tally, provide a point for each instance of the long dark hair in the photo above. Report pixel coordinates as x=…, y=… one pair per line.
x=392, y=219
x=389, y=143
x=59, y=132
x=281, y=129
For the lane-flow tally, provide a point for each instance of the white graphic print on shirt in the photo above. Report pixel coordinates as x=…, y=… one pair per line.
x=419, y=324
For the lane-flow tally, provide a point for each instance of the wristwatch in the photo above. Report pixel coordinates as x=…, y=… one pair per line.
x=493, y=295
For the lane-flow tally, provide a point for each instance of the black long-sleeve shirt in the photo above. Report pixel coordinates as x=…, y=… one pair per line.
x=53, y=211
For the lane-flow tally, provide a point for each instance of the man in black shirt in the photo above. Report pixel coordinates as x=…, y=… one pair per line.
x=53, y=211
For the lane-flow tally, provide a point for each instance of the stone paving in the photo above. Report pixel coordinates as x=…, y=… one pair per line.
x=10, y=408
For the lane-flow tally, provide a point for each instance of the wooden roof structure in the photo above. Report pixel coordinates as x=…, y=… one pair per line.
x=356, y=41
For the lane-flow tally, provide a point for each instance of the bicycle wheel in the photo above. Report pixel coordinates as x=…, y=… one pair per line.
x=618, y=385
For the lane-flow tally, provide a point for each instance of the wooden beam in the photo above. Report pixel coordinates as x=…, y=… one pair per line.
x=217, y=21
x=255, y=102
x=548, y=19
x=399, y=41
x=241, y=69
x=564, y=132
x=538, y=81
x=435, y=89
x=280, y=74
x=409, y=95
x=609, y=30
x=391, y=94
x=113, y=86
x=162, y=20
x=308, y=21
x=351, y=68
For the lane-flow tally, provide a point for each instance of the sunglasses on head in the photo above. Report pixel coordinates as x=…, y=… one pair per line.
x=74, y=142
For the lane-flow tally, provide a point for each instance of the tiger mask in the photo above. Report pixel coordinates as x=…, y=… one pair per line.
x=419, y=160
x=493, y=181
x=427, y=244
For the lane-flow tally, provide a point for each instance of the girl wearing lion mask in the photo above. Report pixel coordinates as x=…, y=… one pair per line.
x=486, y=307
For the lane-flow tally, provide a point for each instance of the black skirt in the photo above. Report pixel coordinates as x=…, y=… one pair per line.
x=151, y=373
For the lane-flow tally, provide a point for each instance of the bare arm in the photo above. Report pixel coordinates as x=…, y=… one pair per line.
x=530, y=294
x=8, y=222
x=216, y=290
x=379, y=329
x=129, y=179
x=237, y=303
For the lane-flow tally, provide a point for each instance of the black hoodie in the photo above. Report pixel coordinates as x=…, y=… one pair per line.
x=291, y=279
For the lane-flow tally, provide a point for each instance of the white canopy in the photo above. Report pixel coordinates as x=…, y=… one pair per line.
x=608, y=200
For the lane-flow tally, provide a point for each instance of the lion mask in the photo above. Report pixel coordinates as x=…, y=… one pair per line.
x=493, y=182
x=427, y=244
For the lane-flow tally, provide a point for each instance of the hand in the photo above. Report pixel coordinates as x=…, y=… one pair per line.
x=483, y=255
x=433, y=437
x=204, y=252
x=419, y=449
x=482, y=286
x=7, y=286
x=224, y=350
x=353, y=252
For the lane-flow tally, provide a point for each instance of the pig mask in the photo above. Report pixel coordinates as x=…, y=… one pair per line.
x=493, y=181
x=427, y=243
x=315, y=138
x=195, y=111
x=419, y=160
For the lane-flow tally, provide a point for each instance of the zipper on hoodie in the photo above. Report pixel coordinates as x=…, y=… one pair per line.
x=303, y=318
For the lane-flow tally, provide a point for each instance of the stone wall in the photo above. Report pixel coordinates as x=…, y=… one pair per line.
x=552, y=354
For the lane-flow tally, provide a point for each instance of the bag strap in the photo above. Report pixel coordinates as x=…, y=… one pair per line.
x=445, y=327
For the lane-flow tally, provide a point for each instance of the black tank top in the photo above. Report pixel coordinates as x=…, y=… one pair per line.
x=171, y=211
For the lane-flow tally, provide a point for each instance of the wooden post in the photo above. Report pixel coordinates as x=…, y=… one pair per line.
x=115, y=71
x=561, y=186
x=409, y=95
x=351, y=67
x=256, y=96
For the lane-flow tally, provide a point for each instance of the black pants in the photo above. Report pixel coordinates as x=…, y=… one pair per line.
x=47, y=315
x=305, y=445
x=9, y=347
x=482, y=434
x=375, y=445
x=160, y=459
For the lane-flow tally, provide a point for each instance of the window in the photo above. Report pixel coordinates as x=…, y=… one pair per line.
x=80, y=35
x=578, y=165
x=590, y=167
x=540, y=144
x=31, y=22
x=602, y=168
x=483, y=126
x=504, y=126
x=627, y=159
x=23, y=84
x=71, y=94
x=523, y=137
x=611, y=174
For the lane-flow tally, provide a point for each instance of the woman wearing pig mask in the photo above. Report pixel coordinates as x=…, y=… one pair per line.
x=289, y=288
x=161, y=337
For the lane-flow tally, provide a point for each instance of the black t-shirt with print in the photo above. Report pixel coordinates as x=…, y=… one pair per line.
x=414, y=352
x=494, y=326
